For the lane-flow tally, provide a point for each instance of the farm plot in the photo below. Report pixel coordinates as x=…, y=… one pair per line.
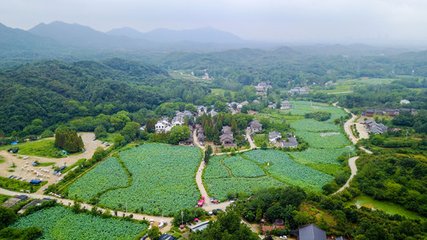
x=313, y=155
x=225, y=175
x=303, y=107
x=163, y=180
x=61, y=223
x=241, y=167
x=108, y=174
x=315, y=140
x=280, y=166
x=312, y=125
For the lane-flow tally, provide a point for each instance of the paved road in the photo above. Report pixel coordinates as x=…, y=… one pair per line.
x=68, y=202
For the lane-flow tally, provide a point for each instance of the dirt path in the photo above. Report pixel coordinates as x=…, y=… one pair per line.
x=68, y=202
x=250, y=140
x=26, y=171
x=353, y=168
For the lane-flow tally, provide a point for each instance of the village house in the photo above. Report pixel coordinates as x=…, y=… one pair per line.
x=262, y=88
x=311, y=232
x=255, y=126
x=299, y=91
x=290, y=142
x=286, y=105
x=274, y=137
x=202, y=110
x=374, y=127
x=226, y=138
x=163, y=126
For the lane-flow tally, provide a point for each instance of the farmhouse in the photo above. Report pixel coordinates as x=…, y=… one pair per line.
x=286, y=105
x=262, y=88
x=179, y=118
x=290, y=142
x=226, y=138
x=299, y=91
x=200, y=133
x=255, y=126
x=311, y=232
x=374, y=127
x=274, y=137
x=163, y=126
x=201, y=110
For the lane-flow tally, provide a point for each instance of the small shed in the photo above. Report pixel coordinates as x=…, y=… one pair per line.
x=199, y=227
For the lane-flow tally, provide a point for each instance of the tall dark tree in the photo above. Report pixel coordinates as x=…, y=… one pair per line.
x=68, y=140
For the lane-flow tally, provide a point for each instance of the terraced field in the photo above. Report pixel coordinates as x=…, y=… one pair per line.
x=162, y=180
x=61, y=223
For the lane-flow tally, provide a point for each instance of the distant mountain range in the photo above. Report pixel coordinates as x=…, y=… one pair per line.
x=201, y=35
x=64, y=39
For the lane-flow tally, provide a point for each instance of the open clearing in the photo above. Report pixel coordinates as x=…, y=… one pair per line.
x=26, y=171
x=61, y=223
x=162, y=179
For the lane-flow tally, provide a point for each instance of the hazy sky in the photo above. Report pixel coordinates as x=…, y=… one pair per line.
x=332, y=21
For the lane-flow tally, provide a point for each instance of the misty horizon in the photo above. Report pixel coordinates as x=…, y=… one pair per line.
x=387, y=23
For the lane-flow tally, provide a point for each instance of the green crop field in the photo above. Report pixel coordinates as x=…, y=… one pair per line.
x=282, y=167
x=61, y=223
x=314, y=155
x=107, y=175
x=225, y=175
x=162, y=180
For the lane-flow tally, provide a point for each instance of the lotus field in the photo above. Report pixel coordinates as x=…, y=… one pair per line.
x=282, y=167
x=61, y=223
x=108, y=174
x=162, y=180
x=225, y=175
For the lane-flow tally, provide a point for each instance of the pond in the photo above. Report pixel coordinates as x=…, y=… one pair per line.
x=387, y=207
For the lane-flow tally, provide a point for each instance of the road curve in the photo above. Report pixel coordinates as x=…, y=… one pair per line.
x=353, y=168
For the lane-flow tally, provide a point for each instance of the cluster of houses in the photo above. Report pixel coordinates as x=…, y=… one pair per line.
x=375, y=128
x=201, y=110
x=387, y=112
x=262, y=88
x=276, y=139
x=235, y=107
x=284, y=105
x=306, y=232
x=164, y=125
x=299, y=91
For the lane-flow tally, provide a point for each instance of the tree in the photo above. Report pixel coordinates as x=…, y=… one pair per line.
x=7, y=216
x=131, y=131
x=154, y=233
x=179, y=133
x=150, y=126
x=208, y=153
x=100, y=132
x=68, y=140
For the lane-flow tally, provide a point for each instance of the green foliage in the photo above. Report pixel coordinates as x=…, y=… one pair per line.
x=7, y=216
x=178, y=134
x=162, y=180
x=17, y=185
x=395, y=178
x=227, y=226
x=67, y=139
x=154, y=233
x=30, y=233
x=61, y=223
x=107, y=175
x=187, y=215
x=319, y=116
x=282, y=167
x=42, y=148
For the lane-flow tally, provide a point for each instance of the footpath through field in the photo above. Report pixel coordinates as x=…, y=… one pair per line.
x=68, y=202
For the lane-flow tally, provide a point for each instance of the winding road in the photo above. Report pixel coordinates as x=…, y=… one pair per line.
x=354, y=140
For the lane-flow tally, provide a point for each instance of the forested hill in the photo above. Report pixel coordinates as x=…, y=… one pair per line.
x=56, y=91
